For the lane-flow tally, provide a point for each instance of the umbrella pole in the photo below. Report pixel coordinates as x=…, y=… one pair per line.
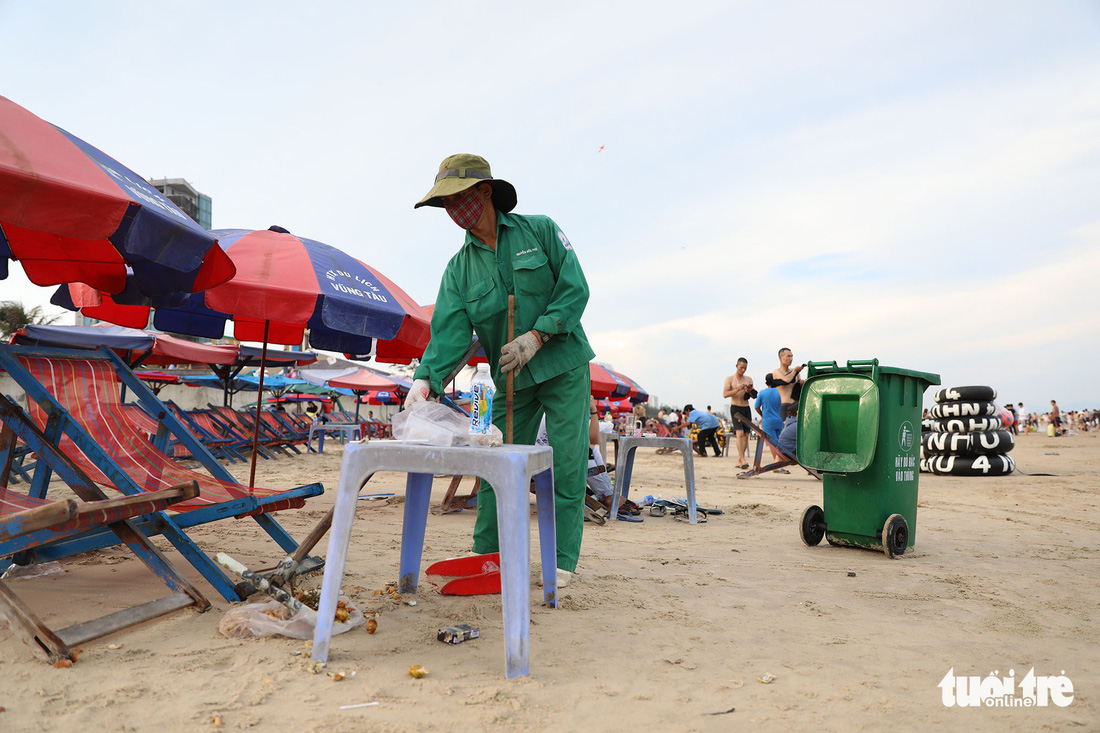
x=358, y=397
x=259, y=402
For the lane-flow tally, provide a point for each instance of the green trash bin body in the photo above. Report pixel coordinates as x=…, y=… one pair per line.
x=860, y=426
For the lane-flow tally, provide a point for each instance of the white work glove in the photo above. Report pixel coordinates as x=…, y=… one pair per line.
x=514, y=354
x=421, y=391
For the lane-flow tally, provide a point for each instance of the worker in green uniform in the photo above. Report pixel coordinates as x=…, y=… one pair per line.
x=531, y=258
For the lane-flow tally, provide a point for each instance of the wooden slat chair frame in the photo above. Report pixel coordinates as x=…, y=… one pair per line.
x=27, y=522
x=763, y=439
x=120, y=456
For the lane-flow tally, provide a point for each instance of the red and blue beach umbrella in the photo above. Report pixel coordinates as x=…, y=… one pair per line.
x=607, y=383
x=284, y=285
x=637, y=394
x=70, y=213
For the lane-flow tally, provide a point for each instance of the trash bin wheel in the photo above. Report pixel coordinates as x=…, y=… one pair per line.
x=812, y=528
x=895, y=535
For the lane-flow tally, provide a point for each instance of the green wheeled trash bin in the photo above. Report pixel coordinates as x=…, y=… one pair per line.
x=860, y=427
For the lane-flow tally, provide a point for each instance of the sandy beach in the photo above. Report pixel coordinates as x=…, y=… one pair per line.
x=665, y=625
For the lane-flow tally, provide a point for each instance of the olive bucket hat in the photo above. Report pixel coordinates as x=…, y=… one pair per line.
x=460, y=172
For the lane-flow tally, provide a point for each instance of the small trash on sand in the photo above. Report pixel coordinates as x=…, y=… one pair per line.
x=337, y=676
x=1055, y=453
x=721, y=712
x=38, y=570
x=372, y=626
x=767, y=678
x=417, y=672
x=217, y=721
x=851, y=575
x=360, y=705
x=63, y=663
x=458, y=633
x=114, y=646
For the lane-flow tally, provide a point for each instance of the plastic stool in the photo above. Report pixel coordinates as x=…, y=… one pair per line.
x=509, y=469
x=624, y=464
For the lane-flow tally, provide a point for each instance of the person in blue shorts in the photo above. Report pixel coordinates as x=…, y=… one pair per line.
x=768, y=404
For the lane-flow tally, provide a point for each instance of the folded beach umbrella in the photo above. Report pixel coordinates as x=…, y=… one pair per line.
x=70, y=213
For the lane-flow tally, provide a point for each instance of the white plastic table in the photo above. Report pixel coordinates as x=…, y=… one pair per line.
x=351, y=431
x=509, y=469
x=624, y=465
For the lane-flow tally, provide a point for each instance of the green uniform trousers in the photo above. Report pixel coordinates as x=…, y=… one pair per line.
x=564, y=400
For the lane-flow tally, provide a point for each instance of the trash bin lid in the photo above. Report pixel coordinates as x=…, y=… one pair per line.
x=928, y=377
x=838, y=419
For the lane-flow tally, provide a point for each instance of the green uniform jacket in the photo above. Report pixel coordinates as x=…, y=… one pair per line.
x=535, y=261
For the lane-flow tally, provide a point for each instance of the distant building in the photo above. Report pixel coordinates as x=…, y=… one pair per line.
x=181, y=193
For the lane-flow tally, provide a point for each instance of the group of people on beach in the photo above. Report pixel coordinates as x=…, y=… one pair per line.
x=775, y=408
x=1053, y=423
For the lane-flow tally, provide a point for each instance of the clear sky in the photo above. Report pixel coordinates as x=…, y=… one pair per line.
x=917, y=182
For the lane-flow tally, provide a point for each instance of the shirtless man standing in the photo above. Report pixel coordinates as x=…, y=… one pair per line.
x=738, y=388
x=784, y=378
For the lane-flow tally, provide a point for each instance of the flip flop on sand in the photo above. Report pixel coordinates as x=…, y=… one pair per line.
x=628, y=517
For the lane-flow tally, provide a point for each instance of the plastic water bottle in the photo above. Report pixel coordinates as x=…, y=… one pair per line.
x=482, y=391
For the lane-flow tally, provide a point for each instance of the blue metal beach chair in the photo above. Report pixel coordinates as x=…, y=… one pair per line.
x=27, y=523
x=73, y=397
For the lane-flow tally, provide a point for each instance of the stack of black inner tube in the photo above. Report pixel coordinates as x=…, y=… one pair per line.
x=968, y=437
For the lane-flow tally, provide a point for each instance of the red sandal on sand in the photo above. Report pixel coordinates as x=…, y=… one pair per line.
x=473, y=576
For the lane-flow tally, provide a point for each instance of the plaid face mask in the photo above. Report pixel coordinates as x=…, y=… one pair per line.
x=466, y=210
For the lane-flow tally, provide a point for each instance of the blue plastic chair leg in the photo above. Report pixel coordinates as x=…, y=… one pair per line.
x=418, y=493
x=689, y=485
x=622, y=481
x=544, y=499
x=339, y=538
x=514, y=532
